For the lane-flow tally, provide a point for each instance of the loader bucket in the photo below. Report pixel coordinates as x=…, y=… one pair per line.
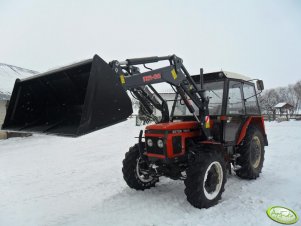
x=70, y=101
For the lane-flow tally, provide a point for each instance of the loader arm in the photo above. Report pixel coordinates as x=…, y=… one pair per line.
x=175, y=74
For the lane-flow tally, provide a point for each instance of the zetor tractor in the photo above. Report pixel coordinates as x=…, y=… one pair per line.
x=209, y=125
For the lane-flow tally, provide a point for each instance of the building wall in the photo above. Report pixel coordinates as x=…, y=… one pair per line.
x=3, y=135
x=2, y=111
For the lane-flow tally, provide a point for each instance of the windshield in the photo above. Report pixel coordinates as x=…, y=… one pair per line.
x=214, y=90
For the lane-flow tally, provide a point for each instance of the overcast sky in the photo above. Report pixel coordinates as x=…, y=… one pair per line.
x=261, y=39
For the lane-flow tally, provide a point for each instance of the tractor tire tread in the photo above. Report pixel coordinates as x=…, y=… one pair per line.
x=195, y=174
x=247, y=171
x=129, y=171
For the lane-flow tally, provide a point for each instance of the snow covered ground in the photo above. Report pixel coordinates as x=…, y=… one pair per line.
x=48, y=180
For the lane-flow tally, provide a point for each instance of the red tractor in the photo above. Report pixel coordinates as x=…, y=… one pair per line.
x=210, y=124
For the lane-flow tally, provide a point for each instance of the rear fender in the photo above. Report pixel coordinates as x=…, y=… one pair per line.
x=258, y=121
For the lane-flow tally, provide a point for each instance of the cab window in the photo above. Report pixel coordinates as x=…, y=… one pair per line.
x=215, y=91
x=235, y=103
x=250, y=99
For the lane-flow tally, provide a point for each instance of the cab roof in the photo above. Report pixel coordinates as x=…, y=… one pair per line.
x=220, y=75
x=234, y=75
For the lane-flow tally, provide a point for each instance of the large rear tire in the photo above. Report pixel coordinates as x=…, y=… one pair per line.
x=251, y=154
x=133, y=172
x=206, y=178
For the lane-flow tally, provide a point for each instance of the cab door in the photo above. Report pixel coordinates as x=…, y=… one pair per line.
x=235, y=111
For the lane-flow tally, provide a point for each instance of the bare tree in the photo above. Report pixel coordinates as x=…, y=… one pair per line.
x=267, y=101
x=297, y=89
x=288, y=95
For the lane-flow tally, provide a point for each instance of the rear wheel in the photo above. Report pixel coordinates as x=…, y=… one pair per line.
x=251, y=154
x=206, y=178
x=135, y=171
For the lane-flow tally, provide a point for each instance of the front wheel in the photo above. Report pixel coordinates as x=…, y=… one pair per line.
x=135, y=171
x=206, y=178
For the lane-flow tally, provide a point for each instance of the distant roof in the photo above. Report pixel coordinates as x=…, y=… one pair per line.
x=283, y=104
x=18, y=70
x=4, y=96
x=8, y=75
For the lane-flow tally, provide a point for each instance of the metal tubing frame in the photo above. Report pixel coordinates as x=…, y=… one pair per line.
x=175, y=74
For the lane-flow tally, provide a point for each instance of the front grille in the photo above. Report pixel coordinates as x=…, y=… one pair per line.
x=154, y=149
x=177, y=144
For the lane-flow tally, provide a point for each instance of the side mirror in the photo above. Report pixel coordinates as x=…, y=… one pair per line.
x=260, y=85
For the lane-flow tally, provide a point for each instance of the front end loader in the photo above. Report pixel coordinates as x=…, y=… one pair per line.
x=211, y=125
x=70, y=101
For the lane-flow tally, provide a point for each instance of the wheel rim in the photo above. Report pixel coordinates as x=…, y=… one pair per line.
x=213, y=180
x=145, y=178
x=255, y=152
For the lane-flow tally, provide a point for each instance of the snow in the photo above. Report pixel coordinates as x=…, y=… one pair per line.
x=8, y=75
x=49, y=180
x=279, y=105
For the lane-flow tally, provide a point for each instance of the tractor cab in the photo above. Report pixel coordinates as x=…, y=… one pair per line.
x=232, y=106
x=232, y=102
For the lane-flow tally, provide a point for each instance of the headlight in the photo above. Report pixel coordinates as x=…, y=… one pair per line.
x=160, y=143
x=149, y=142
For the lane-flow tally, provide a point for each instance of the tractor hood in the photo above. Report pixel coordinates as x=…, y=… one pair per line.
x=174, y=126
